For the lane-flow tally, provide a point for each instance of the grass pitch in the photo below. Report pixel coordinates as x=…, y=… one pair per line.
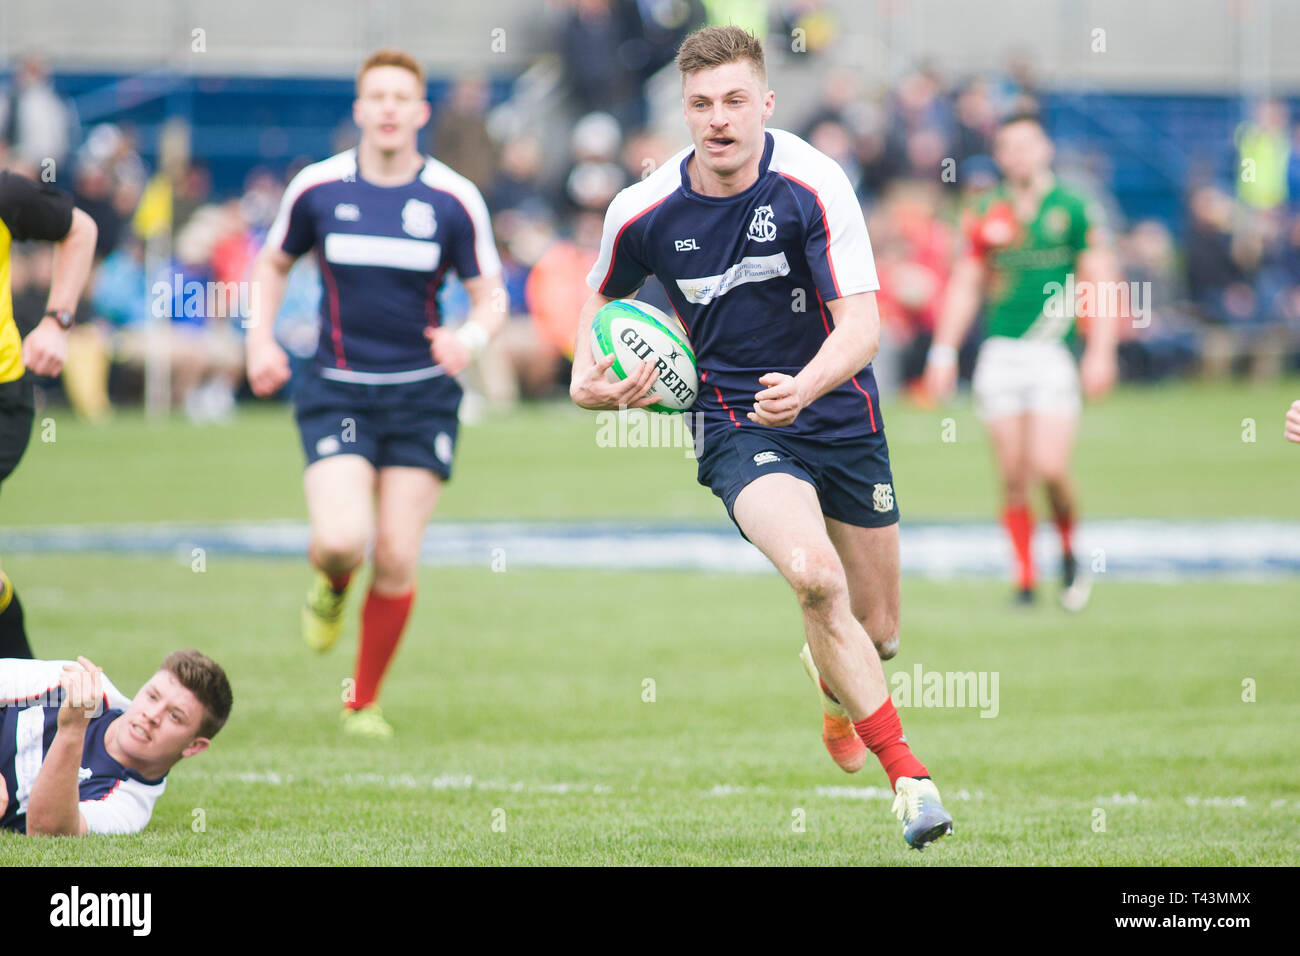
x=1156, y=728
x=525, y=735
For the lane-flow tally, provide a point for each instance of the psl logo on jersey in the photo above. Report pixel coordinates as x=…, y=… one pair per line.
x=882, y=497
x=418, y=219
x=761, y=227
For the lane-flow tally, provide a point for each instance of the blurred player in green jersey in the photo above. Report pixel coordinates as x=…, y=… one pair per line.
x=1038, y=258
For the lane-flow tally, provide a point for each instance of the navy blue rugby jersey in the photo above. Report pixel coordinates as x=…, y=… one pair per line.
x=112, y=798
x=749, y=276
x=383, y=253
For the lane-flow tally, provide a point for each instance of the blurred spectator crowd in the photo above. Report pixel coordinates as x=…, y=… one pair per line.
x=1224, y=293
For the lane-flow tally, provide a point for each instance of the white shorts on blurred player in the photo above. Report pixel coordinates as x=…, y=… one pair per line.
x=1015, y=376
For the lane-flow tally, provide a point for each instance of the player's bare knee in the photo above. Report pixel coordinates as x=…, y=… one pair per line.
x=1054, y=476
x=818, y=584
x=394, y=566
x=887, y=648
x=1015, y=491
x=338, y=553
x=882, y=628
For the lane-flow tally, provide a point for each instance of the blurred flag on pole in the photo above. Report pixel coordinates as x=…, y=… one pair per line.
x=153, y=217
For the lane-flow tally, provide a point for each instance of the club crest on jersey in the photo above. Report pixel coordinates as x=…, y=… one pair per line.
x=882, y=497
x=1055, y=222
x=761, y=227
x=347, y=212
x=418, y=219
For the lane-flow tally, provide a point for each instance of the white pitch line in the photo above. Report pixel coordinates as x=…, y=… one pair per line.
x=468, y=783
x=406, y=781
x=884, y=793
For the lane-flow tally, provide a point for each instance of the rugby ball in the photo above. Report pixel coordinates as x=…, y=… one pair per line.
x=634, y=332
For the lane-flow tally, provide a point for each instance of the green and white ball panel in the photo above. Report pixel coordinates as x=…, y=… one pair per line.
x=634, y=332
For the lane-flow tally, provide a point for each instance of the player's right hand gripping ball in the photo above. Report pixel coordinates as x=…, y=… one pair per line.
x=635, y=332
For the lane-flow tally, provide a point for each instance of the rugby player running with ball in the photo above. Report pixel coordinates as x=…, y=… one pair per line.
x=762, y=248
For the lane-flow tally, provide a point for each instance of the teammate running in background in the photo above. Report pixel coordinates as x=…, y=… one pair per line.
x=1028, y=241
x=377, y=410
x=31, y=210
x=761, y=246
x=77, y=756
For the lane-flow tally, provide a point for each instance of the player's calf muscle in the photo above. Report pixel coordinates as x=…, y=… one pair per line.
x=850, y=668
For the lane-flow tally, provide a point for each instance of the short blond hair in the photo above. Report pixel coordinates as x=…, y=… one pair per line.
x=717, y=46
x=391, y=58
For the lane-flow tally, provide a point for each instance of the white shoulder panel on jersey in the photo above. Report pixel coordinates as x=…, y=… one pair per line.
x=339, y=166
x=125, y=810
x=800, y=159
x=23, y=680
x=630, y=203
x=438, y=175
x=852, y=261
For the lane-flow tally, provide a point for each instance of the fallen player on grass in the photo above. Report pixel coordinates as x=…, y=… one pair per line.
x=77, y=756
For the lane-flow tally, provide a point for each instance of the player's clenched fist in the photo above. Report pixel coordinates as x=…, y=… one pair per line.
x=780, y=403
x=83, y=693
x=268, y=368
x=448, y=349
x=594, y=391
x=1293, y=422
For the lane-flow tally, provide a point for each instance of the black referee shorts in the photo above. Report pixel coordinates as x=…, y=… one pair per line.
x=17, y=409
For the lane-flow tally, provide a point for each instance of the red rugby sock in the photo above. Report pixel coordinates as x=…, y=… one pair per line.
x=1019, y=522
x=383, y=618
x=882, y=732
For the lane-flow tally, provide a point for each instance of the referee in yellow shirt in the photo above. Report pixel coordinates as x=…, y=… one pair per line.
x=32, y=210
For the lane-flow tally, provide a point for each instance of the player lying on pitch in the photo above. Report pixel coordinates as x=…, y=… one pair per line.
x=78, y=757
x=760, y=243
